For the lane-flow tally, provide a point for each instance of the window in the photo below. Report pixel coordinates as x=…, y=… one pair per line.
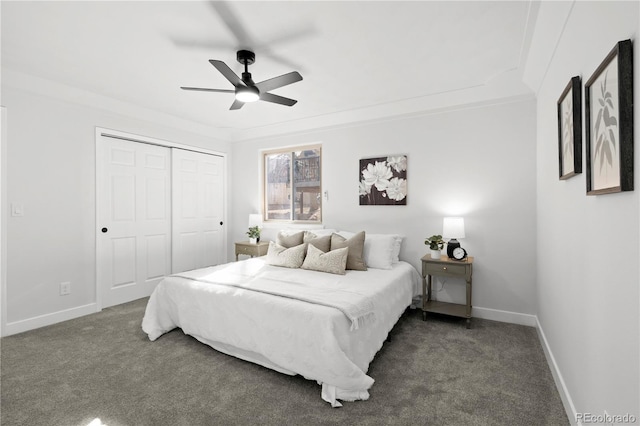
x=292, y=189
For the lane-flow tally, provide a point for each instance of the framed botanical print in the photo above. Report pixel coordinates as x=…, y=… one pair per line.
x=609, y=123
x=570, y=129
x=383, y=181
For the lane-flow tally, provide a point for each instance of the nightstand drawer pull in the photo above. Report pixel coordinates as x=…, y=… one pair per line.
x=444, y=268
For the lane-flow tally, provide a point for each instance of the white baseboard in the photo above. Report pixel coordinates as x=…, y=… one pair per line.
x=504, y=316
x=49, y=319
x=567, y=402
x=532, y=320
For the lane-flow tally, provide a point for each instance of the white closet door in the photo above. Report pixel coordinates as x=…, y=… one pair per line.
x=134, y=219
x=197, y=213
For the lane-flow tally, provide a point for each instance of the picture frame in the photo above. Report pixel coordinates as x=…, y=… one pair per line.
x=383, y=181
x=570, y=129
x=609, y=123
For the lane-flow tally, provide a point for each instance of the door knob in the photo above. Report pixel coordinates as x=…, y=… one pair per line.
x=221, y=223
x=104, y=230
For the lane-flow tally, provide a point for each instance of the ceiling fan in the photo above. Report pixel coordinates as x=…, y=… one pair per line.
x=245, y=89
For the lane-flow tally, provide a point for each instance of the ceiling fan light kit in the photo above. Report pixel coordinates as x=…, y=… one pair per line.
x=245, y=89
x=247, y=94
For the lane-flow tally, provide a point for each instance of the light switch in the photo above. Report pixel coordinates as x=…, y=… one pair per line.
x=17, y=209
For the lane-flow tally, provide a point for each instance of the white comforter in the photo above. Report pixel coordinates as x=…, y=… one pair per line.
x=288, y=335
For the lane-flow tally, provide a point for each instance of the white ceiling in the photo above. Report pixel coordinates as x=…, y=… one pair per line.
x=359, y=60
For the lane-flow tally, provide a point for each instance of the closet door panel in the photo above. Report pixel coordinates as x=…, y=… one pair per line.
x=197, y=210
x=134, y=219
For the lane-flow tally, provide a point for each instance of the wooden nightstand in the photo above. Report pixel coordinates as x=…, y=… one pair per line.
x=245, y=247
x=445, y=267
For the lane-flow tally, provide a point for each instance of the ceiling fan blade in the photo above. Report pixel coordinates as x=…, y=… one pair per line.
x=276, y=82
x=270, y=97
x=236, y=105
x=200, y=44
x=232, y=22
x=227, y=72
x=202, y=89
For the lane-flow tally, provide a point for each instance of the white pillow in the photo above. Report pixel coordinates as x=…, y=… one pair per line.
x=333, y=262
x=287, y=257
x=381, y=251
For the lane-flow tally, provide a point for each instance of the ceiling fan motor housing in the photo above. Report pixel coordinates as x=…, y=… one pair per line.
x=246, y=78
x=246, y=57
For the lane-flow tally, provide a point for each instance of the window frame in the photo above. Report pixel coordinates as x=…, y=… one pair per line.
x=288, y=150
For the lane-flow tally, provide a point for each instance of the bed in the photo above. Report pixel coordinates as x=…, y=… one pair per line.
x=325, y=327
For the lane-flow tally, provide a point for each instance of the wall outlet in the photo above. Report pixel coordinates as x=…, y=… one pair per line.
x=65, y=288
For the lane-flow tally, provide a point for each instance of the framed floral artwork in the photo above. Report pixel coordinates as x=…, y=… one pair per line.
x=570, y=129
x=609, y=123
x=383, y=181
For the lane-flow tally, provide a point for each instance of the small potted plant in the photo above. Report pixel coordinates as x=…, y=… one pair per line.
x=435, y=243
x=254, y=234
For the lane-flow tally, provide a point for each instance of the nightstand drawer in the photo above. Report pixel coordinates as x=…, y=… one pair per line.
x=448, y=269
x=247, y=250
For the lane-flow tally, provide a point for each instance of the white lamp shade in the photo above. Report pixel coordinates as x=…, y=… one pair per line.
x=453, y=227
x=255, y=220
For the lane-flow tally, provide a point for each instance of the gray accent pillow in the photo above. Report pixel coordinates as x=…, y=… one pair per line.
x=289, y=240
x=287, y=257
x=333, y=262
x=323, y=243
x=355, y=259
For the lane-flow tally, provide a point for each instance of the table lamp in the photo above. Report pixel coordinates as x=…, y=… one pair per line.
x=255, y=219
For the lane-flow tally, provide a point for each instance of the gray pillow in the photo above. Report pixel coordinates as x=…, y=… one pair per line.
x=289, y=240
x=323, y=243
x=287, y=257
x=333, y=262
x=355, y=259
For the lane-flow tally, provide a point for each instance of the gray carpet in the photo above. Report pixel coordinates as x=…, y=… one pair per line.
x=431, y=373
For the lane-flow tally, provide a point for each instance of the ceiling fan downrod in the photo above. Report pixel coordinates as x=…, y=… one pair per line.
x=246, y=57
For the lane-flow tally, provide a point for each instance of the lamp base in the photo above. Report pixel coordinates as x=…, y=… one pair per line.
x=451, y=245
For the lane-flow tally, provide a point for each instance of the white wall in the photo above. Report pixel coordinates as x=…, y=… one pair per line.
x=474, y=162
x=587, y=286
x=51, y=172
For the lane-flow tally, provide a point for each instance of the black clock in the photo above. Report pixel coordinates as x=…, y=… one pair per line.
x=459, y=253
